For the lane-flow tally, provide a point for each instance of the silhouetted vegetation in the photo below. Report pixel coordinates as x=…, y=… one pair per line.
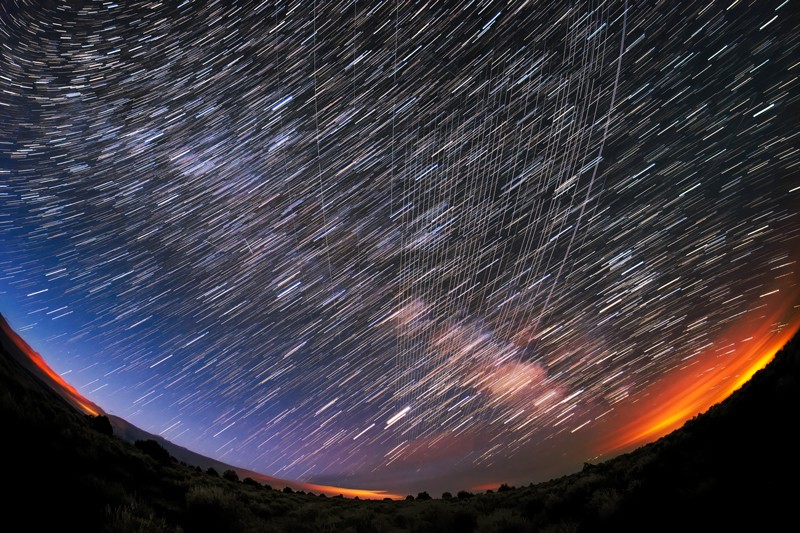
x=726, y=469
x=250, y=481
x=101, y=424
x=230, y=475
x=154, y=450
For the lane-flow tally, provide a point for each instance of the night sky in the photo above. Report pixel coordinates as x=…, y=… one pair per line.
x=401, y=245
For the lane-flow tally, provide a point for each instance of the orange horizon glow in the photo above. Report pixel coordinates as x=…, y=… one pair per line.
x=693, y=389
x=330, y=490
x=363, y=494
x=485, y=486
x=84, y=404
x=88, y=407
x=707, y=379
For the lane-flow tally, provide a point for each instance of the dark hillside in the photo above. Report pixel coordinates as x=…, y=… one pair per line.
x=734, y=466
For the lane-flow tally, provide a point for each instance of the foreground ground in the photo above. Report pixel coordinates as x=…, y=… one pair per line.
x=725, y=468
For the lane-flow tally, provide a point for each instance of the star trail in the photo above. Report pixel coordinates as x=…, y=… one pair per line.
x=401, y=245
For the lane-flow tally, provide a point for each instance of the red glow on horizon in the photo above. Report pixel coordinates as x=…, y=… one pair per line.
x=363, y=494
x=88, y=407
x=485, y=486
x=695, y=388
x=329, y=490
x=84, y=404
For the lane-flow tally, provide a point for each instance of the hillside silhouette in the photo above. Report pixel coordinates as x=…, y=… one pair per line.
x=733, y=466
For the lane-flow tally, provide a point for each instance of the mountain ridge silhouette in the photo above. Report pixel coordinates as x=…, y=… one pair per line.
x=733, y=466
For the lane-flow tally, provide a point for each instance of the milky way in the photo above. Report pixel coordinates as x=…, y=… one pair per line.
x=396, y=244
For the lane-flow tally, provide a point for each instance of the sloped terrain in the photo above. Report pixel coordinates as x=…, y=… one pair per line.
x=726, y=468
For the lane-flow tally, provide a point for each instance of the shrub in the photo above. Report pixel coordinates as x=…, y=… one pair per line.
x=154, y=450
x=213, y=509
x=230, y=475
x=503, y=521
x=359, y=520
x=464, y=520
x=604, y=502
x=101, y=424
x=134, y=517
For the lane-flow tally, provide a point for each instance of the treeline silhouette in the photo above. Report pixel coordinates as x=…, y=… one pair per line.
x=725, y=468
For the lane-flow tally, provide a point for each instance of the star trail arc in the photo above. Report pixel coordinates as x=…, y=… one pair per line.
x=380, y=244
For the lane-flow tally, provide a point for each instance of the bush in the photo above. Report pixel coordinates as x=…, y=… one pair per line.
x=154, y=450
x=134, y=518
x=214, y=509
x=503, y=521
x=101, y=424
x=604, y=502
x=447, y=496
x=360, y=520
x=423, y=496
x=465, y=520
x=230, y=475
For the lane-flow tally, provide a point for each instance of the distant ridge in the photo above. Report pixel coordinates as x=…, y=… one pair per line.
x=131, y=433
x=31, y=361
x=733, y=467
x=21, y=352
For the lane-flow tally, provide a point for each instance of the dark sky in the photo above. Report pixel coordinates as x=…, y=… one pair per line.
x=401, y=245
